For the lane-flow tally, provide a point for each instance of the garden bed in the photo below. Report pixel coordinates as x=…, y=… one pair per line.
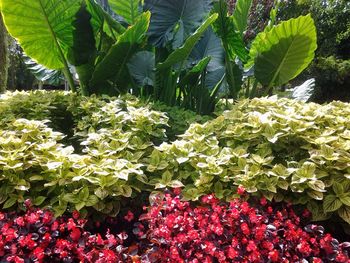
x=119, y=182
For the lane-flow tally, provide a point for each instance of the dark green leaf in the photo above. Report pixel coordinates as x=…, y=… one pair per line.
x=9, y=203
x=114, y=65
x=141, y=68
x=128, y=9
x=181, y=54
x=174, y=21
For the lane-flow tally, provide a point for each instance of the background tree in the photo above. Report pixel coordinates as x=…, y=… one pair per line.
x=331, y=67
x=3, y=55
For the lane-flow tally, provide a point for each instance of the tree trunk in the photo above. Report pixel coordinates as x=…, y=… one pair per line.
x=4, y=60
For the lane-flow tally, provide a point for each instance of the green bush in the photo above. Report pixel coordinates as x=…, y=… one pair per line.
x=34, y=165
x=282, y=149
x=39, y=105
x=75, y=115
x=332, y=79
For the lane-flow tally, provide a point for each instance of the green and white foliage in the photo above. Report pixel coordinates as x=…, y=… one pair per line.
x=116, y=137
x=279, y=148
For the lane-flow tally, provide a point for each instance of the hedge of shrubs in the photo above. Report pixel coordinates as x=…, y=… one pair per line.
x=280, y=148
x=103, y=156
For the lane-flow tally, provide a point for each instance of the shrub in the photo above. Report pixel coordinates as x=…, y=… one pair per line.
x=30, y=158
x=34, y=165
x=282, y=149
x=75, y=115
x=39, y=105
x=179, y=119
x=215, y=231
x=332, y=79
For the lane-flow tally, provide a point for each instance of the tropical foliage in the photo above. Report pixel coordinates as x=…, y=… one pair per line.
x=194, y=51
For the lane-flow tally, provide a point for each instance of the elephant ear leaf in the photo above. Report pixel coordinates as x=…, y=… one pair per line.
x=42, y=27
x=181, y=54
x=226, y=29
x=50, y=76
x=173, y=21
x=194, y=73
x=103, y=21
x=141, y=68
x=285, y=51
x=83, y=52
x=83, y=48
x=241, y=15
x=209, y=45
x=113, y=67
x=128, y=9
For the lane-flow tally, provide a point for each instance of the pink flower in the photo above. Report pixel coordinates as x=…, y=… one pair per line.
x=129, y=216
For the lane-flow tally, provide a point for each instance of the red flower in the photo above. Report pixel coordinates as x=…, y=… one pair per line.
x=245, y=229
x=232, y=253
x=10, y=234
x=274, y=256
x=240, y=190
x=20, y=221
x=75, y=234
x=129, y=216
x=39, y=253
x=76, y=214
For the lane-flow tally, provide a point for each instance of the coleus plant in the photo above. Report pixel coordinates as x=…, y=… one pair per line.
x=279, y=148
x=115, y=139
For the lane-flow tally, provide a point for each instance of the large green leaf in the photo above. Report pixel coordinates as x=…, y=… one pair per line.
x=212, y=78
x=128, y=9
x=83, y=49
x=114, y=64
x=50, y=76
x=83, y=52
x=181, y=54
x=241, y=14
x=191, y=77
x=42, y=27
x=209, y=46
x=234, y=78
x=285, y=51
x=231, y=38
x=174, y=21
x=141, y=68
x=102, y=21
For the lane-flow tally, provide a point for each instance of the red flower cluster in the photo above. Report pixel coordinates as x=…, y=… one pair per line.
x=173, y=231
x=37, y=236
x=234, y=232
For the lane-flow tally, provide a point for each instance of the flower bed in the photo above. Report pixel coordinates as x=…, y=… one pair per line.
x=116, y=153
x=172, y=230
